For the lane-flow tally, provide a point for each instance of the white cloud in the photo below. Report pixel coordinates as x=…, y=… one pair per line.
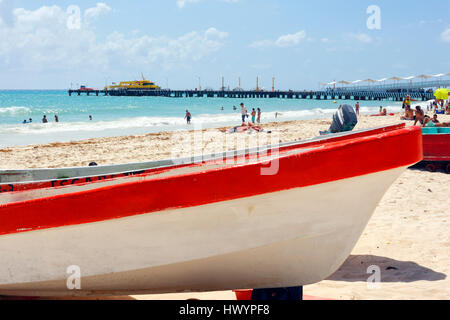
x=362, y=37
x=98, y=10
x=284, y=41
x=183, y=3
x=6, y=7
x=445, y=35
x=41, y=40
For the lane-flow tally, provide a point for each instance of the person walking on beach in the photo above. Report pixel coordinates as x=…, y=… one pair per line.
x=357, y=108
x=407, y=102
x=56, y=118
x=188, y=117
x=44, y=119
x=253, y=116
x=243, y=112
x=259, y=116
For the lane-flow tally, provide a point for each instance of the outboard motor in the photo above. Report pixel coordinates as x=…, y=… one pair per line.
x=344, y=119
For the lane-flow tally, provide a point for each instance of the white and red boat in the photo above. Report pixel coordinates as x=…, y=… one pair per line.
x=214, y=226
x=19, y=180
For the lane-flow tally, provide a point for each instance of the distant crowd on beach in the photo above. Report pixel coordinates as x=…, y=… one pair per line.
x=419, y=117
x=255, y=115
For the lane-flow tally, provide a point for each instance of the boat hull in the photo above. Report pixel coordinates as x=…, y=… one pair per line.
x=286, y=238
x=287, y=222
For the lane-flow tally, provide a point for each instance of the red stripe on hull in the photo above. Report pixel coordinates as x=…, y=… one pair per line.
x=335, y=161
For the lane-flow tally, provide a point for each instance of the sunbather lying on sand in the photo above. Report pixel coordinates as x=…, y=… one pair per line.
x=382, y=114
x=246, y=127
x=428, y=122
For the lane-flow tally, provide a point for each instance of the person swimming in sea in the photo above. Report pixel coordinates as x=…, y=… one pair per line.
x=44, y=119
x=56, y=118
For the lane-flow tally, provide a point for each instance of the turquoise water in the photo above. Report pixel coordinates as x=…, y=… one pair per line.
x=113, y=116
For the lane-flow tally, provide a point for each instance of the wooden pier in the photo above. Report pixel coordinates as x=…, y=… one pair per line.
x=337, y=94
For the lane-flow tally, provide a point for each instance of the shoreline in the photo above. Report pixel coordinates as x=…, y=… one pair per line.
x=159, y=146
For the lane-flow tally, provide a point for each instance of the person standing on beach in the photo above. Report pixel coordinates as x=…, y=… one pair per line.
x=357, y=108
x=243, y=112
x=188, y=117
x=44, y=119
x=259, y=116
x=253, y=116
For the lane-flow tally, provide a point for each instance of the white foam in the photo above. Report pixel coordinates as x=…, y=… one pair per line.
x=14, y=110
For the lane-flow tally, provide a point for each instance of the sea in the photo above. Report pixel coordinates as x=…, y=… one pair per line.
x=118, y=116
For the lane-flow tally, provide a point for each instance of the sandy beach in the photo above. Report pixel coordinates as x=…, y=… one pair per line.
x=408, y=237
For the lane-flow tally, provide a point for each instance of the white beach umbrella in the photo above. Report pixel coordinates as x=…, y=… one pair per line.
x=356, y=82
x=439, y=75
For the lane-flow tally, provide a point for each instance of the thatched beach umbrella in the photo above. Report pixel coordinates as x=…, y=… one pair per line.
x=369, y=81
x=343, y=82
x=396, y=79
x=424, y=77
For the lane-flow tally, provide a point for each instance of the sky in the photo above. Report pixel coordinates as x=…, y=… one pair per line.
x=182, y=44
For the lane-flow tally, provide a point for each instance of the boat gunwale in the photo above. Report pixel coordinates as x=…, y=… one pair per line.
x=235, y=154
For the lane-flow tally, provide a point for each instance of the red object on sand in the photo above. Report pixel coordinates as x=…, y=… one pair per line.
x=246, y=295
x=436, y=147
